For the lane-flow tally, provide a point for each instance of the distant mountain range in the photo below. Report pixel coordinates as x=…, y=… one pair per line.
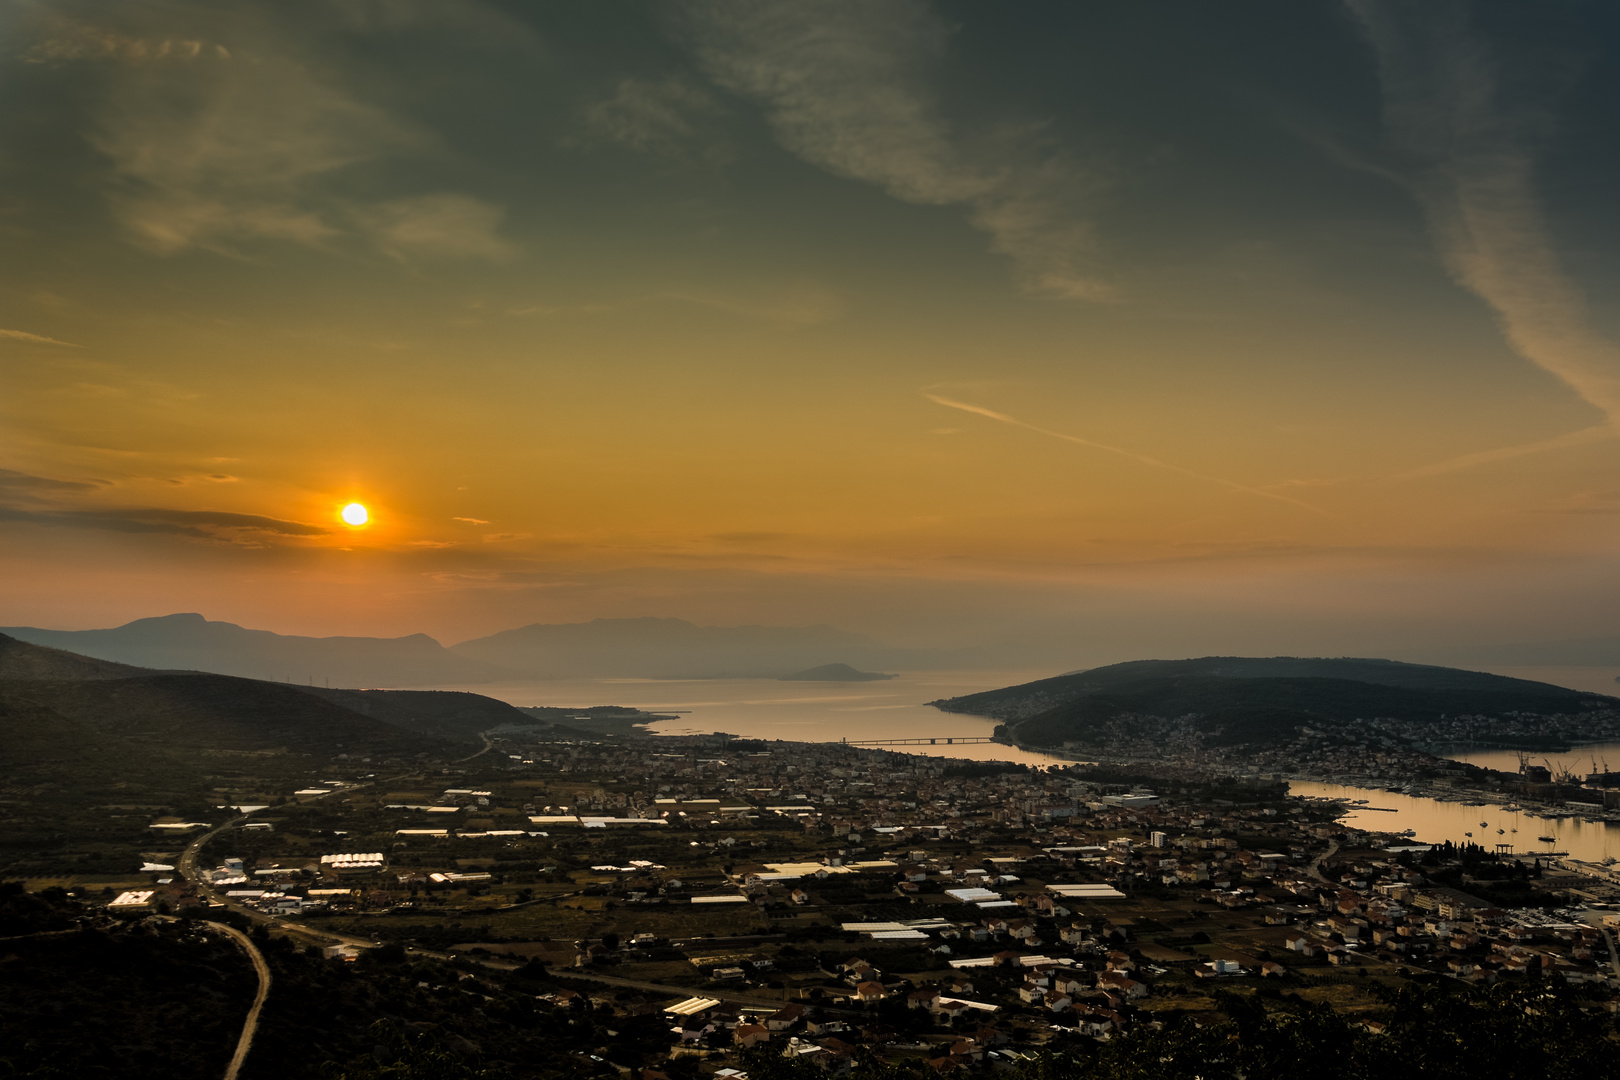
x=192, y=643
x=623, y=648
x=677, y=649
x=646, y=648
x=1241, y=700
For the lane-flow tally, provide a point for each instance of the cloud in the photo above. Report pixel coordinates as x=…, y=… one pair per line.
x=471, y=521
x=437, y=226
x=1474, y=152
x=249, y=144
x=214, y=153
x=16, y=481
x=72, y=42
x=199, y=524
x=650, y=117
x=1152, y=462
x=210, y=478
x=35, y=339
x=848, y=87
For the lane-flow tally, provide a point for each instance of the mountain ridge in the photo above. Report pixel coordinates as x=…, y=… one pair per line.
x=656, y=647
x=188, y=641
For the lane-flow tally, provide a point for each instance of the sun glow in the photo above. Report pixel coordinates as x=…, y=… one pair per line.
x=355, y=515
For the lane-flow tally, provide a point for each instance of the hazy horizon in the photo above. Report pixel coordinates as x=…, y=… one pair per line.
x=1074, y=331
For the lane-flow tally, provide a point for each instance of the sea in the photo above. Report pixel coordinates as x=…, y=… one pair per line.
x=894, y=709
x=799, y=711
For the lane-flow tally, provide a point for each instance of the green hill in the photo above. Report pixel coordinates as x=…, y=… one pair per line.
x=1239, y=700
x=450, y=714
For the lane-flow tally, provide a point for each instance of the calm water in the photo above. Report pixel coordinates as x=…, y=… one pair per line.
x=1579, y=761
x=1596, y=680
x=1436, y=822
x=797, y=711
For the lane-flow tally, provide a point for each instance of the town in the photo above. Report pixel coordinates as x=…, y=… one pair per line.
x=807, y=899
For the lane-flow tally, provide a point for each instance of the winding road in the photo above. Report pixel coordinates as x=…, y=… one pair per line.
x=1315, y=869
x=250, y=1026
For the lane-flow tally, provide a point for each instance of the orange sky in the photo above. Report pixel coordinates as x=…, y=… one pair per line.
x=1166, y=335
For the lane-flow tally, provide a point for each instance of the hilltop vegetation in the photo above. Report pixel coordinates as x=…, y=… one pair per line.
x=447, y=714
x=1238, y=700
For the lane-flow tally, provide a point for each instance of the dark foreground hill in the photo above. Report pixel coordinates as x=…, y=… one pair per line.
x=88, y=759
x=449, y=714
x=1239, y=700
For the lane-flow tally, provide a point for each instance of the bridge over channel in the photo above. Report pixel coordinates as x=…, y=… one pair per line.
x=941, y=740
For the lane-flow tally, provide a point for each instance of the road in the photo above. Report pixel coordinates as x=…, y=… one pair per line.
x=250, y=1026
x=1315, y=869
x=1614, y=953
x=488, y=746
x=186, y=867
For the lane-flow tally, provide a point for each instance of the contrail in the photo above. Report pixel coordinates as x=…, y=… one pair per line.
x=1597, y=433
x=1153, y=462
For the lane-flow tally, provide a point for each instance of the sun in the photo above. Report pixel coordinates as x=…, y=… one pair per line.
x=355, y=515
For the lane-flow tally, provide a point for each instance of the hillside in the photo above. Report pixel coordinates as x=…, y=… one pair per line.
x=192, y=643
x=26, y=661
x=443, y=713
x=219, y=713
x=1241, y=700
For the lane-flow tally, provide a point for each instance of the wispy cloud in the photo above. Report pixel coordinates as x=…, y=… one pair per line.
x=72, y=41
x=656, y=117
x=1475, y=156
x=24, y=482
x=228, y=149
x=443, y=226
x=1144, y=459
x=36, y=339
x=848, y=87
x=198, y=524
x=471, y=521
x=221, y=147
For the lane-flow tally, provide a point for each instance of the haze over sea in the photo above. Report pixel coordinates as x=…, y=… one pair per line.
x=796, y=711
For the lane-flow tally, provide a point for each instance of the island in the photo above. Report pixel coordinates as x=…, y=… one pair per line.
x=834, y=673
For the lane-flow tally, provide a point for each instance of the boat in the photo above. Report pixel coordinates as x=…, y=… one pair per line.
x=1548, y=839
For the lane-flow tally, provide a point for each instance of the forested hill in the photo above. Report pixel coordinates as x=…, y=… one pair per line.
x=1253, y=699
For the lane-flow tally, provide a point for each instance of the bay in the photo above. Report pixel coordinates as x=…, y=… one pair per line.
x=1581, y=760
x=1435, y=822
x=798, y=711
